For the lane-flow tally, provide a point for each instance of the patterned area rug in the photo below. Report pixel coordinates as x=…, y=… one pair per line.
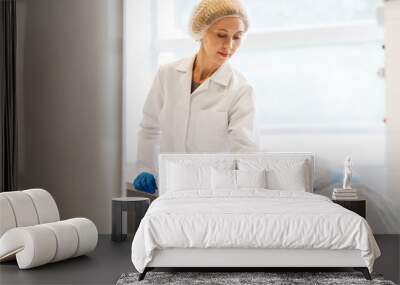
x=269, y=278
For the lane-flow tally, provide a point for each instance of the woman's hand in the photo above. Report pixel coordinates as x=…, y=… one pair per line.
x=145, y=182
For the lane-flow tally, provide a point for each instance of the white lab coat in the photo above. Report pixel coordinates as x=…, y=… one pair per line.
x=217, y=117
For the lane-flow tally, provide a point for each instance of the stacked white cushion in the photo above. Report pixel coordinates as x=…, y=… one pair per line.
x=284, y=171
x=227, y=179
x=251, y=178
x=183, y=177
x=223, y=179
x=31, y=232
x=283, y=174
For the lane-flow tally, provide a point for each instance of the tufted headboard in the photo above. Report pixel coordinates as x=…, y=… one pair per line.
x=215, y=159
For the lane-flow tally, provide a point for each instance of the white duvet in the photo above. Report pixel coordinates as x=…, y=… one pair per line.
x=250, y=219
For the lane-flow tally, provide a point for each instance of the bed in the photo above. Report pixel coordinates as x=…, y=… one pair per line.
x=244, y=211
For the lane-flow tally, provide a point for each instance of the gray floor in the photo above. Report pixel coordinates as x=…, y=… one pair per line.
x=109, y=260
x=103, y=266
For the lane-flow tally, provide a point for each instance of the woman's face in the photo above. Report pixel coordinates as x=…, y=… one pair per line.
x=222, y=39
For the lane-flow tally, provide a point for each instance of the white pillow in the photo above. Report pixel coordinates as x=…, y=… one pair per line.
x=235, y=179
x=251, y=178
x=224, y=179
x=286, y=174
x=288, y=179
x=187, y=177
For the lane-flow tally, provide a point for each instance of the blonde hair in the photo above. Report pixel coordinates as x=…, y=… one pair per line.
x=207, y=12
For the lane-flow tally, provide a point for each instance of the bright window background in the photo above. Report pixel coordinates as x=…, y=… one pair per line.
x=312, y=63
x=267, y=14
x=314, y=67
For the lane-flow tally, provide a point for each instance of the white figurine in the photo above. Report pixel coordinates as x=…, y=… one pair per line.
x=347, y=173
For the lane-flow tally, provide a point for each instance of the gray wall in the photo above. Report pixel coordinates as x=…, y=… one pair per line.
x=69, y=91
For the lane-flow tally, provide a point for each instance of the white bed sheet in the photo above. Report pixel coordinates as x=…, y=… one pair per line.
x=251, y=218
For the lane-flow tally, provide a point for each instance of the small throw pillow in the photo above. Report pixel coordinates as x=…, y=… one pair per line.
x=291, y=178
x=224, y=179
x=282, y=174
x=188, y=177
x=251, y=178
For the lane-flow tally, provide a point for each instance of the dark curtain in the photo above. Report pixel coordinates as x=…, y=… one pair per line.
x=8, y=118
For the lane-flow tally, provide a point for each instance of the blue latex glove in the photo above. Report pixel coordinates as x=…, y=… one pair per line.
x=145, y=182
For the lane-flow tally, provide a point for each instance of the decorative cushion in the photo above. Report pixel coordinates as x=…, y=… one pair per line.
x=281, y=174
x=223, y=179
x=251, y=178
x=285, y=171
x=288, y=178
x=184, y=177
x=232, y=180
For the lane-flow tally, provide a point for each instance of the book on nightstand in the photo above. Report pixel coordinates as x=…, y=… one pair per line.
x=344, y=194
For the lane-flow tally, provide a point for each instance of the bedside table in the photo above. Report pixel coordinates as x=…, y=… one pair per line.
x=127, y=212
x=132, y=192
x=358, y=206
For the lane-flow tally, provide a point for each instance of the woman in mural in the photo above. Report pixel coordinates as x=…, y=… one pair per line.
x=200, y=103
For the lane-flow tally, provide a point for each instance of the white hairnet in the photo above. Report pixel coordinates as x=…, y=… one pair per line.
x=207, y=12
